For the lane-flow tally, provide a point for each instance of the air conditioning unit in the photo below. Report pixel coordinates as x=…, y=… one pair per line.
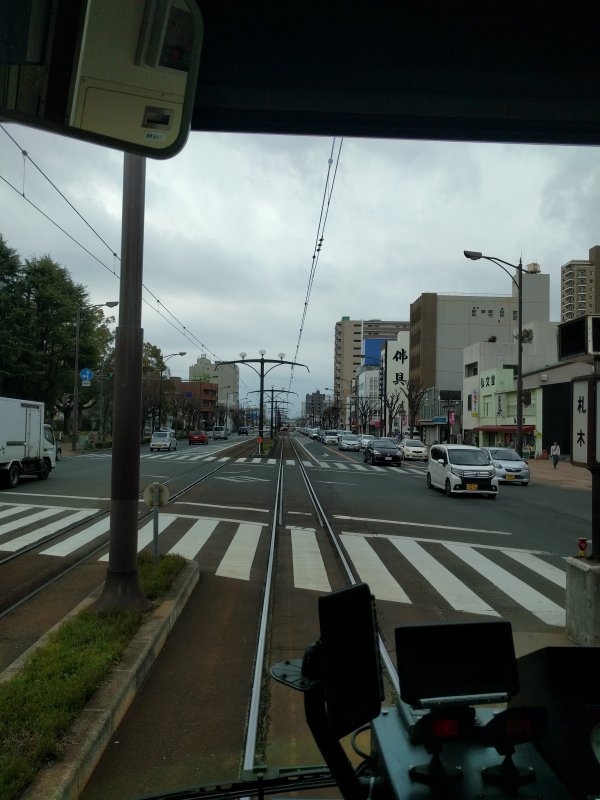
x=579, y=338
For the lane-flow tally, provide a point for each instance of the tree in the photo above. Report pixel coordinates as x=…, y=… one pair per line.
x=392, y=404
x=366, y=407
x=415, y=392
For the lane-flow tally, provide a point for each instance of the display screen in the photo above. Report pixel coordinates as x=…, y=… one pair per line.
x=455, y=660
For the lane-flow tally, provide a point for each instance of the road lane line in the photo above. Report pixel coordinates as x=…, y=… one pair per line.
x=454, y=591
x=419, y=524
x=195, y=538
x=239, y=557
x=373, y=571
x=309, y=569
x=539, y=566
x=517, y=590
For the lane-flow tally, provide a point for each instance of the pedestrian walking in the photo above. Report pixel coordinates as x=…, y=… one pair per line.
x=555, y=453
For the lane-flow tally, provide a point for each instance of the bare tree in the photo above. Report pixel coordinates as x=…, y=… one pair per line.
x=365, y=408
x=415, y=392
x=392, y=404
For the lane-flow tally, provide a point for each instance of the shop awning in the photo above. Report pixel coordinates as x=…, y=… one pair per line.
x=504, y=428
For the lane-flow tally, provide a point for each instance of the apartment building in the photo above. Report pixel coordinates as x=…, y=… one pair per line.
x=349, y=348
x=580, y=286
x=226, y=376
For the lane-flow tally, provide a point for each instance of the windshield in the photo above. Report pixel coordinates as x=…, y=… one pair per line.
x=386, y=443
x=503, y=454
x=471, y=458
x=413, y=443
x=160, y=435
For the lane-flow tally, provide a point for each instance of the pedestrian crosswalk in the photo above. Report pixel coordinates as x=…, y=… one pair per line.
x=472, y=578
x=340, y=466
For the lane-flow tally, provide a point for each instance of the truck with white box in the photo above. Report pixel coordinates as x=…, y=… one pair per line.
x=27, y=444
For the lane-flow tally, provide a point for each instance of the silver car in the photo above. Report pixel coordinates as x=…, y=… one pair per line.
x=510, y=467
x=348, y=441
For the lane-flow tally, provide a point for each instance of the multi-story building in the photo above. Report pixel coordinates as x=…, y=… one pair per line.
x=349, y=352
x=226, y=376
x=442, y=325
x=314, y=407
x=580, y=286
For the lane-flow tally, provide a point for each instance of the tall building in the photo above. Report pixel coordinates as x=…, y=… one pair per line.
x=442, y=325
x=350, y=349
x=580, y=286
x=314, y=406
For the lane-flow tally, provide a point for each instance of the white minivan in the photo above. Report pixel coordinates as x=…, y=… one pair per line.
x=461, y=469
x=163, y=440
x=220, y=432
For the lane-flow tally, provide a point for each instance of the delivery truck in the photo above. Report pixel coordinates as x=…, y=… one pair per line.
x=27, y=444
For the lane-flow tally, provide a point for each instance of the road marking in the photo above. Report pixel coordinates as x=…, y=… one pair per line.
x=46, y=530
x=452, y=590
x=228, y=507
x=519, y=591
x=372, y=570
x=240, y=478
x=76, y=541
x=239, y=557
x=193, y=540
x=308, y=566
x=419, y=524
x=541, y=567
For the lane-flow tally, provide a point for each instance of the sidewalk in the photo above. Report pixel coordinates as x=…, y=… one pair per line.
x=565, y=474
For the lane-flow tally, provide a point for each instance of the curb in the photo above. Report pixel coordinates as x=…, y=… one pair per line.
x=92, y=730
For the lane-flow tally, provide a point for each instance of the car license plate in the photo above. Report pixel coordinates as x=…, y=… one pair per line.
x=388, y=458
x=510, y=477
x=472, y=487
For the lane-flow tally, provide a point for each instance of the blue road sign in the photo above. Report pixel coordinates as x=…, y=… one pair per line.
x=86, y=374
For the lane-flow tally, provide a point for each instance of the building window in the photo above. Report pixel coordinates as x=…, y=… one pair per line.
x=515, y=315
x=473, y=312
x=490, y=313
x=501, y=312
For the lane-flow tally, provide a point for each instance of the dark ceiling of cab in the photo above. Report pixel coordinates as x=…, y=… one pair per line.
x=482, y=70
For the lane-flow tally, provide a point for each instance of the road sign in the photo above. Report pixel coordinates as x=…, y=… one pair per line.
x=86, y=374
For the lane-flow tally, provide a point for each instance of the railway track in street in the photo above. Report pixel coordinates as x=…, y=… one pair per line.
x=271, y=534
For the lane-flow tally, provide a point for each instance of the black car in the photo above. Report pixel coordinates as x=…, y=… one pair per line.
x=383, y=451
x=242, y=429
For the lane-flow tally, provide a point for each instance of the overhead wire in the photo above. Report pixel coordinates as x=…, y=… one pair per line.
x=319, y=239
x=176, y=325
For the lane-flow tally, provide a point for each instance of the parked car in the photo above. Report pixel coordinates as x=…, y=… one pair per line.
x=348, y=441
x=243, y=430
x=382, y=451
x=413, y=449
x=163, y=440
x=461, y=469
x=510, y=467
x=220, y=432
x=197, y=437
x=328, y=437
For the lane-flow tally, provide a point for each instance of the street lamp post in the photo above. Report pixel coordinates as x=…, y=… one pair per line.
x=475, y=256
x=261, y=372
x=164, y=358
x=110, y=304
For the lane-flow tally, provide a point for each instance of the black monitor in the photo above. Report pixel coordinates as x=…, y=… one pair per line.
x=459, y=663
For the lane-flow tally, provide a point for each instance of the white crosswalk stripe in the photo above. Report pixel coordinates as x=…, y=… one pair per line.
x=434, y=561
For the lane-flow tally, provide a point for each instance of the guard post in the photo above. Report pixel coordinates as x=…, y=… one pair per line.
x=155, y=495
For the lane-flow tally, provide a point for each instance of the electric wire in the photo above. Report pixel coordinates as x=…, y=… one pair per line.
x=319, y=239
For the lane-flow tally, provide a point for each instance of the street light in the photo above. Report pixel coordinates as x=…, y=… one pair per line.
x=475, y=256
x=110, y=304
x=164, y=358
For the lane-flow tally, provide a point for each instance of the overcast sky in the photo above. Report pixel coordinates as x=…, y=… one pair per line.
x=231, y=224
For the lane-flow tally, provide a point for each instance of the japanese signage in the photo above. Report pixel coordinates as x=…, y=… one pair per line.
x=580, y=426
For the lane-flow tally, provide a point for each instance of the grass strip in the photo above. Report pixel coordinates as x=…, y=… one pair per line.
x=39, y=704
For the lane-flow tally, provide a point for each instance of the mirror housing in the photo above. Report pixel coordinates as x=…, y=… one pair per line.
x=119, y=73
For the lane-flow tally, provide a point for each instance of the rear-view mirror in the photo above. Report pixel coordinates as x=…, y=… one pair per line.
x=120, y=73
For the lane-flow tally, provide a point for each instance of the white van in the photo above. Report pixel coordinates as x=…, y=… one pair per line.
x=461, y=469
x=220, y=432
